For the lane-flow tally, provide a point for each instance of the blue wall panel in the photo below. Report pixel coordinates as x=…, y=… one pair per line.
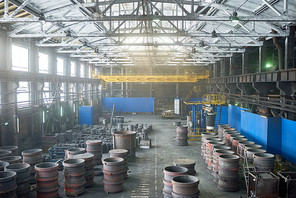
x=288, y=140
x=274, y=139
x=130, y=104
x=234, y=117
x=255, y=128
x=224, y=115
x=86, y=115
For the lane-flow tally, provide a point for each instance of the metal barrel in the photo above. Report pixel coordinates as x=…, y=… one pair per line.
x=47, y=179
x=264, y=161
x=22, y=178
x=123, y=153
x=241, y=146
x=170, y=172
x=210, y=121
x=227, y=129
x=113, y=169
x=228, y=173
x=131, y=127
x=12, y=159
x=204, y=144
x=32, y=157
x=227, y=137
x=3, y=164
x=203, y=140
x=235, y=142
x=182, y=137
x=88, y=168
x=69, y=153
x=216, y=155
x=4, y=153
x=120, y=126
x=185, y=185
x=13, y=149
x=187, y=163
x=74, y=180
x=251, y=152
x=125, y=140
x=252, y=146
x=209, y=153
x=8, y=184
x=95, y=147
x=238, y=135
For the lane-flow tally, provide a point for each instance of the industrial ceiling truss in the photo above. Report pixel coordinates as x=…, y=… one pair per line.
x=128, y=32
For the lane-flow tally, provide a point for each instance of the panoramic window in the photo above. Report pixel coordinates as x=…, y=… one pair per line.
x=19, y=57
x=60, y=66
x=43, y=63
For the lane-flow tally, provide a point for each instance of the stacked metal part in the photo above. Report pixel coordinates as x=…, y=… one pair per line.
x=4, y=153
x=221, y=128
x=176, y=123
x=22, y=178
x=228, y=173
x=235, y=142
x=207, y=140
x=264, y=161
x=13, y=149
x=182, y=137
x=69, y=153
x=95, y=147
x=217, y=153
x=185, y=186
x=227, y=134
x=8, y=184
x=236, y=135
x=251, y=152
x=209, y=152
x=241, y=147
x=113, y=169
x=32, y=157
x=170, y=172
x=203, y=142
x=187, y=163
x=74, y=180
x=47, y=176
x=122, y=153
x=88, y=167
x=125, y=140
x=12, y=159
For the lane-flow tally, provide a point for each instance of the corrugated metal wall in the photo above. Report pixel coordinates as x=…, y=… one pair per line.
x=234, y=117
x=288, y=147
x=140, y=105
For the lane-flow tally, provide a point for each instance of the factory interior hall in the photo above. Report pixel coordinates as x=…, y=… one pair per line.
x=147, y=98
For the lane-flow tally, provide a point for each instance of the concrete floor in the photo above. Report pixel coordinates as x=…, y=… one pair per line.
x=145, y=178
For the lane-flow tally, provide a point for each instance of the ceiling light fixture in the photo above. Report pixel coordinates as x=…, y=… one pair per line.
x=214, y=34
x=41, y=17
x=234, y=18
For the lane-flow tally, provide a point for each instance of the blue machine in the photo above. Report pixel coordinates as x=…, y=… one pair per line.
x=86, y=115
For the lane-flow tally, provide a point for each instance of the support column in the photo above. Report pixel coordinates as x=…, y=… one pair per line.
x=122, y=84
x=289, y=49
x=222, y=67
x=243, y=63
x=177, y=85
x=230, y=66
x=151, y=85
x=262, y=58
x=111, y=83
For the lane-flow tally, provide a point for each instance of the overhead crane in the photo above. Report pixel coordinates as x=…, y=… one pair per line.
x=186, y=77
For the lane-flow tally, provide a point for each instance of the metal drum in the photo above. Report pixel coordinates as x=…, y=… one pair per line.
x=210, y=121
x=187, y=163
x=264, y=161
x=95, y=147
x=241, y=147
x=227, y=137
x=12, y=159
x=185, y=186
x=253, y=146
x=203, y=141
x=74, y=180
x=228, y=173
x=22, y=178
x=13, y=149
x=235, y=142
x=47, y=179
x=113, y=169
x=4, y=153
x=69, y=153
x=251, y=152
x=221, y=129
x=88, y=167
x=182, y=137
x=32, y=157
x=125, y=140
x=169, y=173
x=123, y=153
x=209, y=153
x=3, y=164
x=7, y=184
x=204, y=144
x=216, y=155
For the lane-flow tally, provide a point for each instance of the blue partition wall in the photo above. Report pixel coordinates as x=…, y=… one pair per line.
x=224, y=115
x=275, y=134
x=140, y=105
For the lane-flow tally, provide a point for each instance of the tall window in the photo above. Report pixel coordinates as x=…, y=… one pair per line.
x=82, y=70
x=62, y=94
x=43, y=63
x=89, y=71
x=46, y=93
x=73, y=68
x=60, y=66
x=20, y=57
x=23, y=94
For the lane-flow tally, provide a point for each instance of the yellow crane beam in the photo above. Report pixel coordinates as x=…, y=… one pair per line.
x=151, y=77
x=214, y=99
